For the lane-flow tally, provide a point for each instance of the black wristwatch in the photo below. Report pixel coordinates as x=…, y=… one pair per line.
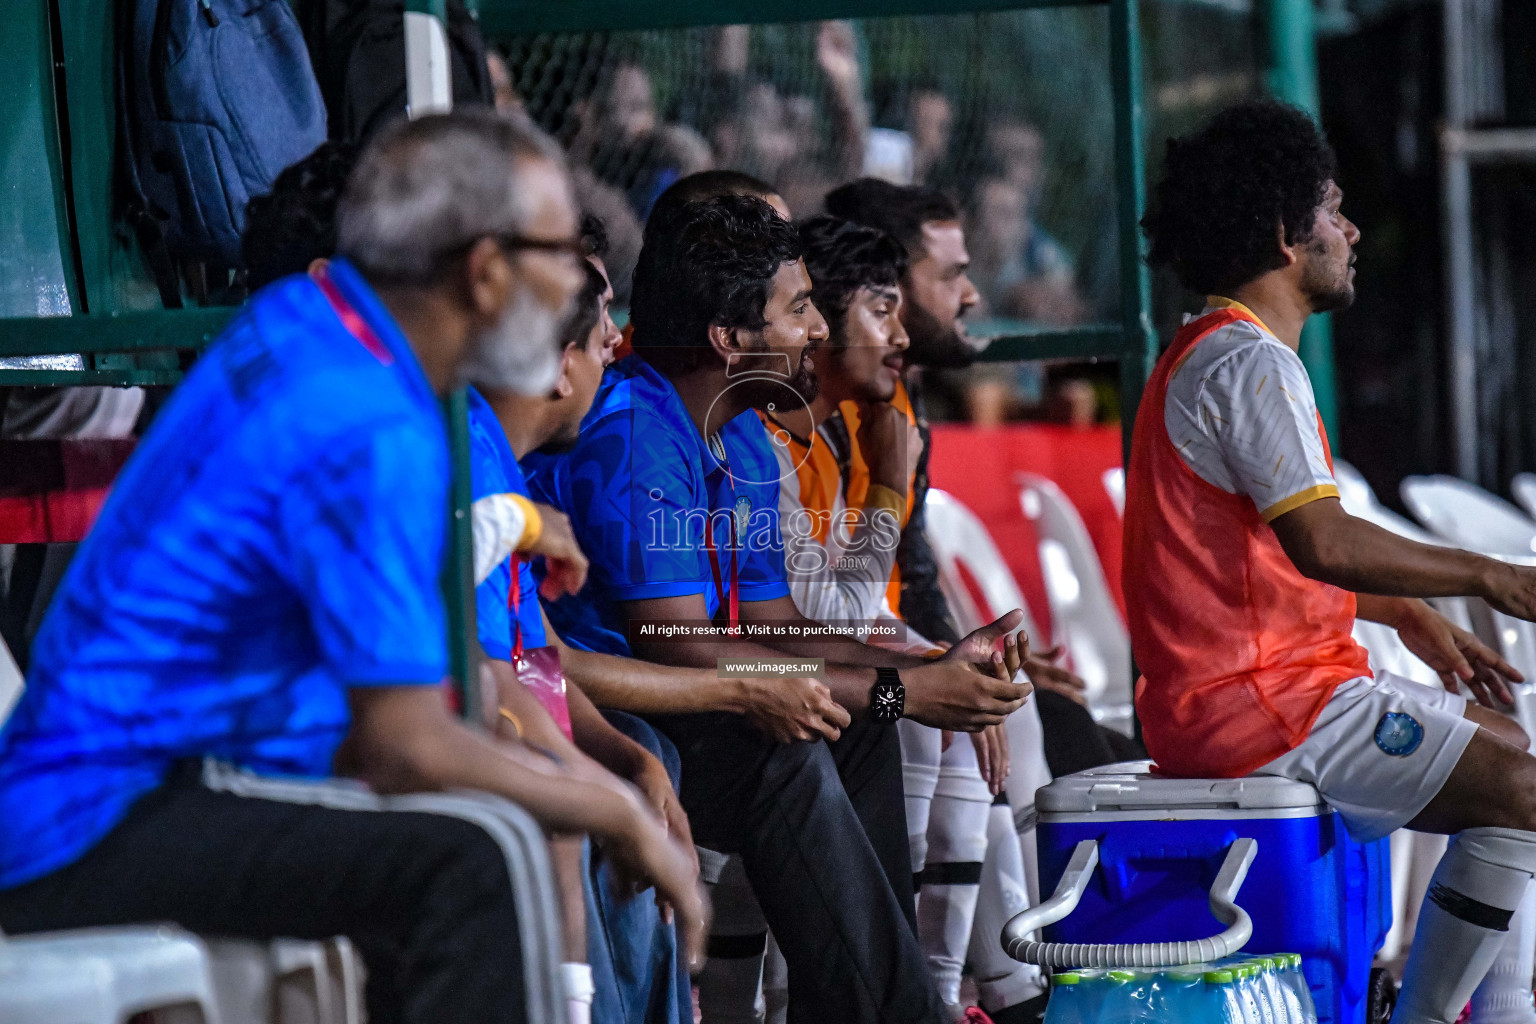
x=888, y=700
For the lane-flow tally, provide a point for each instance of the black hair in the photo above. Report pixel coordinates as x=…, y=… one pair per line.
x=702, y=185
x=585, y=307
x=1225, y=187
x=711, y=264
x=898, y=210
x=843, y=257
x=295, y=223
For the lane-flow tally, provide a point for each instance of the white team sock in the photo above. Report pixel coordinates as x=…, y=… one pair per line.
x=730, y=986
x=1001, y=981
x=1464, y=923
x=957, y=845
x=1504, y=997
x=579, y=991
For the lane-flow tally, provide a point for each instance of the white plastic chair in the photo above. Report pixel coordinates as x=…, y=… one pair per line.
x=1524, y=488
x=1114, y=483
x=11, y=683
x=958, y=538
x=1084, y=615
x=135, y=970
x=1470, y=517
x=43, y=989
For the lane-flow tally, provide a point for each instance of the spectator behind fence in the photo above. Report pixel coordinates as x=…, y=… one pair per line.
x=672, y=444
x=262, y=591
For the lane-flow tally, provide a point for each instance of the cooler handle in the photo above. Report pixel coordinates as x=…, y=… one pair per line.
x=1069, y=892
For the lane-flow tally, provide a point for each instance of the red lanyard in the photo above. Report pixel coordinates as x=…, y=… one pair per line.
x=351, y=319
x=514, y=605
x=731, y=601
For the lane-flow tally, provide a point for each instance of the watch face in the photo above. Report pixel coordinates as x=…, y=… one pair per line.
x=888, y=702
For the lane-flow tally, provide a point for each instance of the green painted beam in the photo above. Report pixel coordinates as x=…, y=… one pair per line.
x=127, y=377
x=459, y=563
x=123, y=332
x=1138, y=340
x=501, y=18
x=1102, y=341
x=1289, y=35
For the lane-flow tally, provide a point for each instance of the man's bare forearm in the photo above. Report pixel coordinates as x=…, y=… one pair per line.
x=422, y=752
x=1360, y=556
x=645, y=687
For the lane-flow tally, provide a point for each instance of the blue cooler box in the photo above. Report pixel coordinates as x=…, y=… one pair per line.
x=1311, y=890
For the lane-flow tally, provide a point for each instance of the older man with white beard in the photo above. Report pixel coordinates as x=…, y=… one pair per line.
x=260, y=597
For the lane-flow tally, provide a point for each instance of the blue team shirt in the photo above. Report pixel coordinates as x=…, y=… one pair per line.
x=276, y=539
x=639, y=487
x=494, y=470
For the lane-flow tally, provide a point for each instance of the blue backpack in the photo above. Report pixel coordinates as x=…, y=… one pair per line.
x=216, y=98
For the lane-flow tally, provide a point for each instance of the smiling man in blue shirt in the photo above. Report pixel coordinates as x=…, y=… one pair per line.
x=673, y=493
x=262, y=590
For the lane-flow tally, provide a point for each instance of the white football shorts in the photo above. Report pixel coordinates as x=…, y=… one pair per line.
x=1380, y=751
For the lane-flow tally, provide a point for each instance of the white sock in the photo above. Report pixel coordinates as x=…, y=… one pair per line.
x=1478, y=885
x=775, y=984
x=920, y=755
x=1504, y=997
x=957, y=845
x=579, y=990
x=1001, y=981
x=730, y=986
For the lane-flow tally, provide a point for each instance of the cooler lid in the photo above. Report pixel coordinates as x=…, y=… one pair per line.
x=1132, y=787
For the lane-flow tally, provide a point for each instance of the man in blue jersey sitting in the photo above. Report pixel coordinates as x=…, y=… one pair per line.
x=672, y=492
x=263, y=585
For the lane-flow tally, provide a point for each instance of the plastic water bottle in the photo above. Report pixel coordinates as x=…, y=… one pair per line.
x=1180, y=995
x=1274, y=990
x=1122, y=992
x=1248, y=991
x=1066, y=1002
x=1221, y=994
x=1296, y=982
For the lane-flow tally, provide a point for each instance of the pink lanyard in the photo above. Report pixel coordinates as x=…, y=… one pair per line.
x=514, y=605
x=351, y=319
x=731, y=601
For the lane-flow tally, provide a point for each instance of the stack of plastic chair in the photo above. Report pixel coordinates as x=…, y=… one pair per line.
x=1524, y=488
x=1471, y=518
x=105, y=976
x=1083, y=612
x=287, y=981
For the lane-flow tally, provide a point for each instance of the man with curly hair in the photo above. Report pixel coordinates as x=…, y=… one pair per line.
x=1244, y=574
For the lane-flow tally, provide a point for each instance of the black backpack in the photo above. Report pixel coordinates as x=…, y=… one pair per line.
x=358, y=50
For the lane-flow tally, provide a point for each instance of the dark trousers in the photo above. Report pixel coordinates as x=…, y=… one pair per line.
x=821, y=829
x=1074, y=742
x=427, y=898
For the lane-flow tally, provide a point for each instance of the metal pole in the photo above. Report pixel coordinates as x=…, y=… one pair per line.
x=1140, y=343
x=428, y=90
x=1456, y=211
x=1290, y=43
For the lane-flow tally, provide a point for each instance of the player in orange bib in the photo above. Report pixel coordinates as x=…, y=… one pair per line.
x=1243, y=573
